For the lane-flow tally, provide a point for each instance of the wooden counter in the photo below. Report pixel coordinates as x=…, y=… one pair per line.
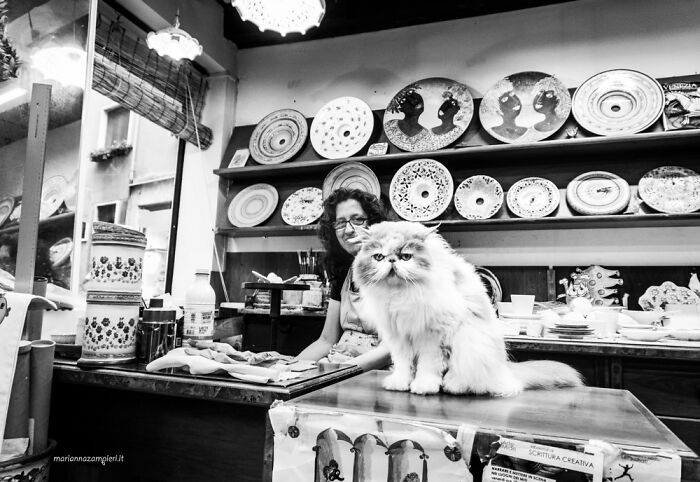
x=578, y=414
x=168, y=426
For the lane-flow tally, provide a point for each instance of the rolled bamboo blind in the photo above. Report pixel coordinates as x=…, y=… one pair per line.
x=167, y=92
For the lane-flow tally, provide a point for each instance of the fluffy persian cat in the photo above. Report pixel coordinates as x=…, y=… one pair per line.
x=433, y=313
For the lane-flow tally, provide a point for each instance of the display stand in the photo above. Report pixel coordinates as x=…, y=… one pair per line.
x=275, y=302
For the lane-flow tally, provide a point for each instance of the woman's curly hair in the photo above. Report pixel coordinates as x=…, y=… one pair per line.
x=337, y=261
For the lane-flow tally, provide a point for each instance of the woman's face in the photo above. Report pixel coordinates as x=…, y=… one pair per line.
x=348, y=210
x=546, y=101
x=510, y=105
x=412, y=103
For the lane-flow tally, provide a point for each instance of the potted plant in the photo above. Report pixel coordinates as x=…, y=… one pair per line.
x=117, y=149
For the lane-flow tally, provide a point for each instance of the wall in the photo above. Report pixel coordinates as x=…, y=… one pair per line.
x=572, y=41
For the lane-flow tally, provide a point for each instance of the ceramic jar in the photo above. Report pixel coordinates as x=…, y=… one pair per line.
x=111, y=319
x=116, y=261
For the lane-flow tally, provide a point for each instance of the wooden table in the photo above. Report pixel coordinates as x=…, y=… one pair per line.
x=578, y=414
x=275, y=302
x=168, y=426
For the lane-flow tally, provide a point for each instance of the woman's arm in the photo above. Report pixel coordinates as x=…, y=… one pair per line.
x=329, y=336
x=375, y=359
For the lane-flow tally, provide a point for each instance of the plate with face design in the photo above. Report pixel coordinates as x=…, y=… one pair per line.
x=525, y=107
x=278, y=136
x=253, y=205
x=533, y=197
x=618, y=102
x=598, y=192
x=421, y=190
x=478, y=197
x=428, y=115
x=671, y=189
x=7, y=204
x=342, y=127
x=303, y=206
x=351, y=175
x=53, y=192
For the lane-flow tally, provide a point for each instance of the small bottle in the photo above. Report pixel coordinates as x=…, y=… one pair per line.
x=200, y=301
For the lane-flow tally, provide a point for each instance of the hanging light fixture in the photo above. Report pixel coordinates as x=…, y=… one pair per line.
x=174, y=42
x=283, y=16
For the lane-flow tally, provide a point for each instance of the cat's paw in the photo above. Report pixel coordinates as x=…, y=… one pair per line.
x=425, y=385
x=396, y=382
x=453, y=384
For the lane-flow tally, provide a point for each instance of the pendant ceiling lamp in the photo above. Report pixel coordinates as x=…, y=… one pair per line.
x=174, y=42
x=283, y=16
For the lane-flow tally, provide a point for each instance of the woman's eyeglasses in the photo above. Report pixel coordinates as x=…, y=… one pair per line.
x=340, y=224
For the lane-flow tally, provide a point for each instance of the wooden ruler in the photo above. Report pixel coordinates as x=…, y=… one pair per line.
x=31, y=187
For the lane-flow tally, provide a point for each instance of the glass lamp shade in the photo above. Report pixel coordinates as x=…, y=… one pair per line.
x=66, y=65
x=174, y=43
x=283, y=16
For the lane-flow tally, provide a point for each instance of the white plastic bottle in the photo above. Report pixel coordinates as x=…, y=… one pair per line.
x=200, y=301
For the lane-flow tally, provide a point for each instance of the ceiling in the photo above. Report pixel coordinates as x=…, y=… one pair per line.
x=347, y=17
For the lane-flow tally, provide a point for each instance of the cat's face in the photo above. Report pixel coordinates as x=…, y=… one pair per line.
x=393, y=254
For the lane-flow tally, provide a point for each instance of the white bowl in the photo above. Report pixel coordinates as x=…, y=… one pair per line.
x=644, y=317
x=643, y=335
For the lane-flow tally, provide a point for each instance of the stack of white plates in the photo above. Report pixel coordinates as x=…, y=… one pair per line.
x=571, y=331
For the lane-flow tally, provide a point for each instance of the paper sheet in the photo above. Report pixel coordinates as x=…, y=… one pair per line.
x=14, y=310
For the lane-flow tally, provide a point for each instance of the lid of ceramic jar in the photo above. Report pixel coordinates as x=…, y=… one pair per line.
x=103, y=233
x=114, y=297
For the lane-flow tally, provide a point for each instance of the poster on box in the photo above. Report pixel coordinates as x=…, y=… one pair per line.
x=518, y=461
x=681, y=105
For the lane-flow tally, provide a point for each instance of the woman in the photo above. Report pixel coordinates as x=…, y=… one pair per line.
x=345, y=338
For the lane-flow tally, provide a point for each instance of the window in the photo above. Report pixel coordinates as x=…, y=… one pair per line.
x=117, y=126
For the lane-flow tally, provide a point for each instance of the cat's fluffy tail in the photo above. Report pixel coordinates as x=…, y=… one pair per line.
x=545, y=374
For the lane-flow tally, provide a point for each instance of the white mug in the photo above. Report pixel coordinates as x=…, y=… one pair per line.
x=522, y=304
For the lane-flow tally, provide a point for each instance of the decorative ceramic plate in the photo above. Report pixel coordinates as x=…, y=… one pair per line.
x=421, y=190
x=598, y=192
x=303, y=206
x=351, y=175
x=342, y=127
x=60, y=252
x=533, y=197
x=525, y=107
x=671, y=189
x=478, y=197
x=657, y=297
x=514, y=316
x=618, y=102
x=7, y=205
x=17, y=211
x=52, y=194
x=253, y=205
x=490, y=281
x=428, y=114
x=278, y=136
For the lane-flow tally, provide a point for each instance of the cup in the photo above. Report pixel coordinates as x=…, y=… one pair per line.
x=681, y=316
x=522, y=304
x=603, y=321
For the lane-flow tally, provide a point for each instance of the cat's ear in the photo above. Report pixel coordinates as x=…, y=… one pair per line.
x=432, y=230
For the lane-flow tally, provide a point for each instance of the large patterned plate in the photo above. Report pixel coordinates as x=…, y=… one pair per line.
x=428, y=114
x=618, y=102
x=657, y=297
x=671, y=189
x=421, y=190
x=7, y=204
x=478, y=197
x=53, y=192
x=351, y=175
x=253, y=205
x=525, y=107
x=598, y=192
x=342, y=127
x=60, y=252
x=533, y=197
x=278, y=136
x=303, y=206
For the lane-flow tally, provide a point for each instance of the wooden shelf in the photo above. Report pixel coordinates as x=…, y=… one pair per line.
x=53, y=222
x=452, y=225
x=553, y=151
